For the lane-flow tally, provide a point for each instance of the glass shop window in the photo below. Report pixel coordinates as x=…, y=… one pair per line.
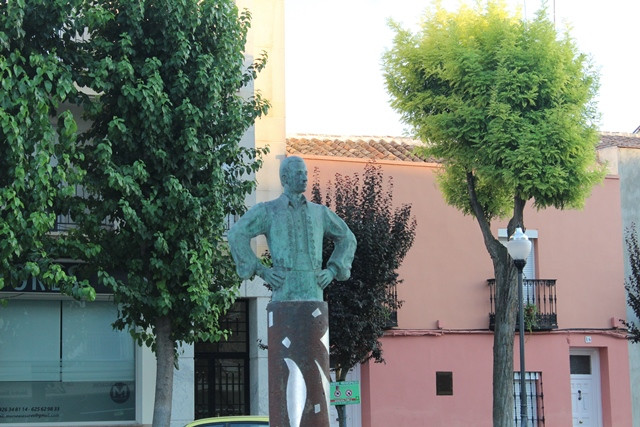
x=61, y=361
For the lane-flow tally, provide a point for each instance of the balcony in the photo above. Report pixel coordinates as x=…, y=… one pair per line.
x=540, y=304
x=392, y=322
x=64, y=222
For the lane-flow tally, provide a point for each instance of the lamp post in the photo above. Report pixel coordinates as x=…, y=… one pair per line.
x=519, y=247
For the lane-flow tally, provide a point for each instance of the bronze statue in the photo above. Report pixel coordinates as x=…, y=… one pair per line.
x=297, y=316
x=295, y=229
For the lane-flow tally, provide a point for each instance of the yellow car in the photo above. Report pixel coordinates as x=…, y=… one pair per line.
x=237, y=421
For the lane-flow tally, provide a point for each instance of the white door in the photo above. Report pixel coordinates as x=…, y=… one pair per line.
x=585, y=388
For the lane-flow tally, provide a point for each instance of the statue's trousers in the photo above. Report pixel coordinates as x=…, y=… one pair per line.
x=298, y=363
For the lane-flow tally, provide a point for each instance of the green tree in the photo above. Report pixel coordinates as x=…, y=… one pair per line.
x=632, y=284
x=360, y=308
x=38, y=155
x=507, y=107
x=165, y=166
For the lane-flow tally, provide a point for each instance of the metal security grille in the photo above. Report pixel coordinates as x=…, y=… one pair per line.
x=65, y=222
x=222, y=369
x=535, y=399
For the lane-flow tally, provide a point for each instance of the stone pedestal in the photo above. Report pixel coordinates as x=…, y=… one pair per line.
x=298, y=363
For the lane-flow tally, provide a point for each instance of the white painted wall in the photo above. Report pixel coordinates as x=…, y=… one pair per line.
x=628, y=165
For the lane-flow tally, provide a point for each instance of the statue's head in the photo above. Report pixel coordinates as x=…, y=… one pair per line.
x=293, y=175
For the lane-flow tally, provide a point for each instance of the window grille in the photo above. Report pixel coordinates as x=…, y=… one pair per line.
x=535, y=399
x=222, y=368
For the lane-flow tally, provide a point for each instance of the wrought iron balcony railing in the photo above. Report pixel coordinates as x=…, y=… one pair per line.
x=393, y=314
x=540, y=304
x=65, y=222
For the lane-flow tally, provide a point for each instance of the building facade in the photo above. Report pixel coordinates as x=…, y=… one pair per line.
x=622, y=154
x=438, y=358
x=438, y=368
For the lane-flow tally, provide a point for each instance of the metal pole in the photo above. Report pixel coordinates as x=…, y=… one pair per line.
x=523, y=391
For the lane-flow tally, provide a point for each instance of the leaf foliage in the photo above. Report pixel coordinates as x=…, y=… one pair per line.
x=360, y=308
x=632, y=284
x=165, y=166
x=38, y=155
x=509, y=100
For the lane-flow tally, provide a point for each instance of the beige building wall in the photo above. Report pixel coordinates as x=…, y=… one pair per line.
x=267, y=35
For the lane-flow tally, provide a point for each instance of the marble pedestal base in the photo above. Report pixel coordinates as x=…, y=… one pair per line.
x=298, y=363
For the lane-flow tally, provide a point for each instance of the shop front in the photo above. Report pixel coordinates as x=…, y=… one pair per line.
x=61, y=361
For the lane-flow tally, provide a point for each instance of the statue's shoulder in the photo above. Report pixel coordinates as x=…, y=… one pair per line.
x=276, y=204
x=316, y=206
x=316, y=209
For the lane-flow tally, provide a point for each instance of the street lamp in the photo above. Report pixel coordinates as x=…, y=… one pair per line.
x=519, y=247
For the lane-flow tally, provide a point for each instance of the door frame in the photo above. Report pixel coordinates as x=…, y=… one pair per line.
x=209, y=355
x=595, y=377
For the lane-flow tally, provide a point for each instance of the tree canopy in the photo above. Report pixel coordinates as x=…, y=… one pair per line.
x=509, y=100
x=165, y=164
x=507, y=107
x=38, y=155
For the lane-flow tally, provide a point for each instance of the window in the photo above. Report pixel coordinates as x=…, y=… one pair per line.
x=61, y=361
x=535, y=404
x=580, y=364
x=529, y=270
x=221, y=380
x=444, y=383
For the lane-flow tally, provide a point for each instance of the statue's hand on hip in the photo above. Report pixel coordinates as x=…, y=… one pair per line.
x=272, y=277
x=324, y=277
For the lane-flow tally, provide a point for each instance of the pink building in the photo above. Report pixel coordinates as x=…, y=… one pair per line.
x=438, y=369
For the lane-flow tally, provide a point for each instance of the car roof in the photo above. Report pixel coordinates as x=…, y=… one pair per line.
x=239, y=418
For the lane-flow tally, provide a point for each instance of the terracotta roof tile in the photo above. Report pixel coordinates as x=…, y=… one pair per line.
x=622, y=140
x=363, y=147
x=400, y=148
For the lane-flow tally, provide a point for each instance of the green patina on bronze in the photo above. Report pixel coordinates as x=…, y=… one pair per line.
x=295, y=229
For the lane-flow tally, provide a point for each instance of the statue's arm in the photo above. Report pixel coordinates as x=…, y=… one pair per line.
x=250, y=225
x=344, y=245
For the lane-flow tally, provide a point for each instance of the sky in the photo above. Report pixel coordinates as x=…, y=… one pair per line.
x=333, y=50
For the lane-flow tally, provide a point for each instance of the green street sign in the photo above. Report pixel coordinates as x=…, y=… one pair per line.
x=345, y=393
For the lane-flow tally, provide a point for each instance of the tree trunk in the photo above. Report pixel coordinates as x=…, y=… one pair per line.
x=505, y=323
x=503, y=340
x=165, y=357
x=506, y=303
x=342, y=415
